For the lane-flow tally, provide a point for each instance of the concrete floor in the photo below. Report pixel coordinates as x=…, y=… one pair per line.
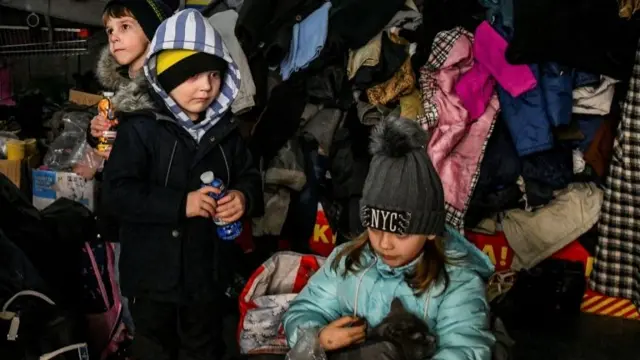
x=590, y=337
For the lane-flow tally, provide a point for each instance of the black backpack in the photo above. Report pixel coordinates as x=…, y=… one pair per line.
x=551, y=292
x=32, y=327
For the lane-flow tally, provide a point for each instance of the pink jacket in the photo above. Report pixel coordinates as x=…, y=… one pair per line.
x=458, y=88
x=476, y=86
x=457, y=143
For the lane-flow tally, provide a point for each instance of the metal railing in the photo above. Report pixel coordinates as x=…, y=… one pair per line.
x=21, y=41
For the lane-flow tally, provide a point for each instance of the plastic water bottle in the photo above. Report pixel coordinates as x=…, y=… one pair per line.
x=226, y=231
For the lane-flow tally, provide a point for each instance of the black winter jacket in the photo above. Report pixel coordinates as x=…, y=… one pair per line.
x=130, y=95
x=154, y=164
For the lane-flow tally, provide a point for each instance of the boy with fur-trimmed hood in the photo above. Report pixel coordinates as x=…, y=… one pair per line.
x=130, y=26
x=172, y=264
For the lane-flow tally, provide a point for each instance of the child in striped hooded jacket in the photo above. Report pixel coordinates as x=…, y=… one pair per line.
x=172, y=265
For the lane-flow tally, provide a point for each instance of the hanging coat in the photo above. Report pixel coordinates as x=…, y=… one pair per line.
x=616, y=270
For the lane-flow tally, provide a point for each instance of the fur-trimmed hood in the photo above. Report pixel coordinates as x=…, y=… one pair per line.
x=130, y=94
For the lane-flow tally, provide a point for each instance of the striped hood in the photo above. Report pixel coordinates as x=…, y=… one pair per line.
x=189, y=30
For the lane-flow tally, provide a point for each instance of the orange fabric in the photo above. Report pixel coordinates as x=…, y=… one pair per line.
x=599, y=153
x=402, y=83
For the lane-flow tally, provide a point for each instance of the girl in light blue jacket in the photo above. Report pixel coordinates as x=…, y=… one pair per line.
x=406, y=252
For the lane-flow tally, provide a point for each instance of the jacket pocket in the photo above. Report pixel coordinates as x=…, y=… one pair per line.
x=150, y=260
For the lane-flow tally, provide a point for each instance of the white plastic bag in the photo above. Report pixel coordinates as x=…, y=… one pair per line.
x=70, y=150
x=86, y=161
x=307, y=347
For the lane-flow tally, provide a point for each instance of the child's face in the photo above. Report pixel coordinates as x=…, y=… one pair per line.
x=198, y=92
x=127, y=41
x=397, y=250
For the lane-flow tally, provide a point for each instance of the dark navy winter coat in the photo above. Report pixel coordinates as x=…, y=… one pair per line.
x=154, y=164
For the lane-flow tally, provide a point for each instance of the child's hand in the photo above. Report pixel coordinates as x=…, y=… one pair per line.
x=199, y=203
x=99, y=124
x=340, y=334
x=231, y=207
x=85, y=171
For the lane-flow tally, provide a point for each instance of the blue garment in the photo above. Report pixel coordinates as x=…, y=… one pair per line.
x=458, y=315
x=557, y=87
x=171, y=34
x=589, y=125
x=526, y=118
x=532, y=116
x=309, y=37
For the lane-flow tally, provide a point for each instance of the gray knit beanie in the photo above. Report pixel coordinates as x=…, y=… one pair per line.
x=402, y=193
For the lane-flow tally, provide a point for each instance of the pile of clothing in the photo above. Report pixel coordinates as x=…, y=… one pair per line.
x=521, y=118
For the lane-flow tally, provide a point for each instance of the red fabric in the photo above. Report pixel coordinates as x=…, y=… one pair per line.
x=498, y=250
x=272, y=271
x=308, y=266
x=573, y=252
x=245, y=240
x=495, y=246
x=245, y=306
x=323, y=240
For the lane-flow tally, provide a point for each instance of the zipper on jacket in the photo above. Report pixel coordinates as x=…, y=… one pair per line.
x=226, y=164
x=173, y=153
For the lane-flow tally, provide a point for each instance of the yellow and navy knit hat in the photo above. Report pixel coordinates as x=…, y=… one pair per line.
x=148, y=13
x=175, y=66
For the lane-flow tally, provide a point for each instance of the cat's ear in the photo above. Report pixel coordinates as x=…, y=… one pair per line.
x=397, y=306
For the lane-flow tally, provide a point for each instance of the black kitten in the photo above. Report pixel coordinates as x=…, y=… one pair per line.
x=409, y=333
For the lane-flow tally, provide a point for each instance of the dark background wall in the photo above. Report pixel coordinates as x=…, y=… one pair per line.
x=37, y=68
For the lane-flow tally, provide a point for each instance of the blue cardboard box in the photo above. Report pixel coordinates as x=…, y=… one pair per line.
x=48, y=186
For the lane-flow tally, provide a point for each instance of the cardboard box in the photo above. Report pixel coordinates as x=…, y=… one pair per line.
x=12, y=169
x=48, y=186
x=18, y=171
x=83, y=98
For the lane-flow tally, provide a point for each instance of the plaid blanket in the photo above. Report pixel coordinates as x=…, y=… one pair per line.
x=616, y=270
